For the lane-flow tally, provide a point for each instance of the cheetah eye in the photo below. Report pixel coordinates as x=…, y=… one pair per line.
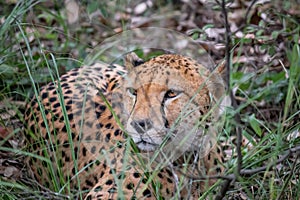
x=171, y=94
x=132, y=91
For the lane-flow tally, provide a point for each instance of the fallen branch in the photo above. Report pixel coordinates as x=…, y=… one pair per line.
x=248, y=172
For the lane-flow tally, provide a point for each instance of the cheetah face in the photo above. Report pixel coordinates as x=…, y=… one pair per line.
x=166, y=101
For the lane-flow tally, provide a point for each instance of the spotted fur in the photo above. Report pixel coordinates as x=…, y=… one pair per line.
x=86, y=124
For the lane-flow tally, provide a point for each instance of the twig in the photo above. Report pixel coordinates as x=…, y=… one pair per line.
x=44, y=192
x=234, y=104
x=247, y=172
x=223, y=190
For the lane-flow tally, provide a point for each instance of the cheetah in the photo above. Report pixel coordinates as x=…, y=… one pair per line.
x=108, y=131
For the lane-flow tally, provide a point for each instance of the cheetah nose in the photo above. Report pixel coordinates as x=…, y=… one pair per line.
x=141, y=125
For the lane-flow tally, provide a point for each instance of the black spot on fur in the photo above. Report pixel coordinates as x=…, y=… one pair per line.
x=66, y=144
x=169, y=180
x=93, y=149
x=89, y=183
x=44, y=95
x=84, y=151
x=108, y=136
x=109, y=182
x=53, y=99
x=136, y=175
x=98, y=189
x=108, y=126
x=130, y=186
x=64, y=128
x=117, y=132
x=147, y=193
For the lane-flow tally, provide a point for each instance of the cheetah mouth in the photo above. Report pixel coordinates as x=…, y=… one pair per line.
x=146, y=146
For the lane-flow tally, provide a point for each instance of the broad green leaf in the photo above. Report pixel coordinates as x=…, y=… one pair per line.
x=254, y=123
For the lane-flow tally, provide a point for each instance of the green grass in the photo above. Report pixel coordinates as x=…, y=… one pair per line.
x=26, y=65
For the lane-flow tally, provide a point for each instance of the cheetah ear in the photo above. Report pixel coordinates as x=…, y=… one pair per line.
x=217, y=87
x=132, y=60
x=216, y=84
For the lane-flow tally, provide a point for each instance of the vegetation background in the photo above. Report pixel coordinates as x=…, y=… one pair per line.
x=262, y=37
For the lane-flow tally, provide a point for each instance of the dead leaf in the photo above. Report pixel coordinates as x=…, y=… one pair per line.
x=142, y=7
x=11, y=172
x=3, y=132
x=72, y=10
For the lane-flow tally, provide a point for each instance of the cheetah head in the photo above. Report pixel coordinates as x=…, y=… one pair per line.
x=169, y=99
